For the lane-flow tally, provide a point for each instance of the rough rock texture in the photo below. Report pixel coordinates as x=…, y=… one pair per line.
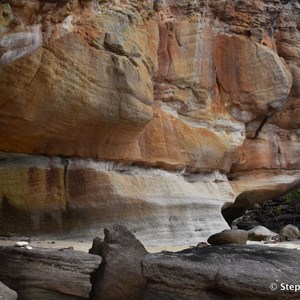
x=97, y=246
x=261, y=233
x=222, y=272
x=80, y=197
x=229, y=236
x=46, y=273
x=289, y=233
x=6, y=293
x=119, y=276
x=247, y=95
x=175, y=96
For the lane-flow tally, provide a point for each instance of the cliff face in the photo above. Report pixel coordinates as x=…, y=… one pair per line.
x=157, y=114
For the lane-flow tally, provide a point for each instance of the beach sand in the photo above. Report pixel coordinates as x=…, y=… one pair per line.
x=81, y=245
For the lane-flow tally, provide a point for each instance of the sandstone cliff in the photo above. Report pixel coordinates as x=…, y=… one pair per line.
x=155, y=113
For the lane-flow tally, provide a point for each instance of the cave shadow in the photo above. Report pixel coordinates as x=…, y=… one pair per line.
x=258, y=201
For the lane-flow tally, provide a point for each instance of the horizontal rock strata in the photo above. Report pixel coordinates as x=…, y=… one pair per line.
x=222, y=272
x=47, y=273
x=185, y=90
x=76, y=197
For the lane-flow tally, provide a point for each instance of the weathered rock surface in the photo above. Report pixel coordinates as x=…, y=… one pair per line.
x=46, y=273
x=6, y=293
x=97, y=246
x=120, y=276
x=229, y=236
x=267, y=184
x=191, y=88
x=248, y=95
x=270, y=153
x=261, y=233
x=222, y=272
x=80, y=197
x=289, y=233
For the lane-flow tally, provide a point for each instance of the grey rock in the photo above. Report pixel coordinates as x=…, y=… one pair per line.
x=256, y=34
x=289, y=233
x=227, y=272
x=261, y=233
x=97, y=247
x=48, y=273
x=159, y=5
x=6, y=293
x=120, y=276
x=229, y=236
x=202, y=244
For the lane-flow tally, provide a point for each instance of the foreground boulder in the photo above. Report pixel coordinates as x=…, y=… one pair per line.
x=119, y=276
x=6, y=293
x=229, y=236
x=97, y=246
x=47, y=273
x=261, y=233
x=228, y=272
x=289, y=233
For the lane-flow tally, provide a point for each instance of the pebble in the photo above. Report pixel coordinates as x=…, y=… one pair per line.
x=28, y=248
x=21, y=244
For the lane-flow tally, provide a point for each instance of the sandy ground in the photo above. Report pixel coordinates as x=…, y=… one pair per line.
x=55, y=244
x=77, y=245
x=86, y=245
x=288, y=244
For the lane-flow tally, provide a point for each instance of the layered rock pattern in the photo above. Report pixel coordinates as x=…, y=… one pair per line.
x=140, y=110
x=78, y=197
x=47, y=273
x=222, y=272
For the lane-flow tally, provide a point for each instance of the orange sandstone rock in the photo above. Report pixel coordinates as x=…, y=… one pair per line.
x=253, y=80
x=182, y=95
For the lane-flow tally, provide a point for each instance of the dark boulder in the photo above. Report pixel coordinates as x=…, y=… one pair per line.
x=229, y=236
x=97, y=246
x=227, y=272
x=119, y=276
x=46, y=274
x=6, y=293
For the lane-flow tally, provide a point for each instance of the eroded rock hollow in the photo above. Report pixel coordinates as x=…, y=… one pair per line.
x=157, y=114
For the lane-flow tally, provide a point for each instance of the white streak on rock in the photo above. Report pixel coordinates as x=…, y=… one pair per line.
x=17, y=45
x=21, y=244
x=67, y=24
